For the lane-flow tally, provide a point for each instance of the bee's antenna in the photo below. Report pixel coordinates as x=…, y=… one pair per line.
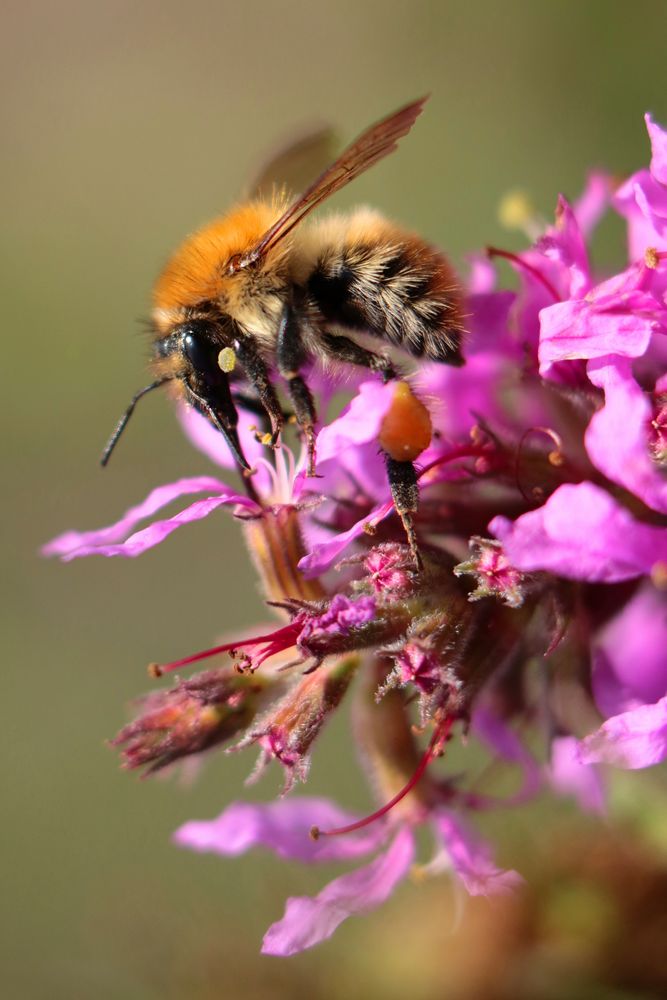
x=122, y=423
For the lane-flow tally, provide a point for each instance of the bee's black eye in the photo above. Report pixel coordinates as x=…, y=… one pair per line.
x=201, y=350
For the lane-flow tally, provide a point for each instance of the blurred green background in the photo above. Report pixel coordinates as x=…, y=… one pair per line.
x=125, y=125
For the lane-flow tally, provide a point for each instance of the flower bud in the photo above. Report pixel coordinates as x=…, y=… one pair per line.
x=389, y=569
x=287, y=731
x=194, y=715
x=494, y=574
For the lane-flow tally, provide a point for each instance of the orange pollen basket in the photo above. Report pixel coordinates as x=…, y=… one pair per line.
x=406, y=428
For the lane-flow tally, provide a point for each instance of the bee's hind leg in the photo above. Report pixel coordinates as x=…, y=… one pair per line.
x=405, y=494
x=341, y=348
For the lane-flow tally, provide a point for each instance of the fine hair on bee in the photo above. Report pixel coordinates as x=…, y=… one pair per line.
x=256, y=295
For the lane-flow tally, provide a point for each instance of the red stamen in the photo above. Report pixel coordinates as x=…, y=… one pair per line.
x=554, y=457
x=433, y=750
x=274, y=642
x=515, y=259
x=464, y=451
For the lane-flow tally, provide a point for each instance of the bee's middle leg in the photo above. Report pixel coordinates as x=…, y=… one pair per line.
x=290, y=356
x=257, y=374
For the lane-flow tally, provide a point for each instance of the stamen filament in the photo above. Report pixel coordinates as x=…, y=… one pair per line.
x=464, y=451
x=555, y=457
x=276, y=641
x=515, y=259
x=433, y=749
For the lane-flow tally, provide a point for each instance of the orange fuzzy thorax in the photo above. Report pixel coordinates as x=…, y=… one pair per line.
x=405, y=431
x=198, y=269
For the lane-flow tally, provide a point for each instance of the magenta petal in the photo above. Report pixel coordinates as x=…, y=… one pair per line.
x=471, y=858
x=593, y=201
x=506, y=744
x=617, y=435
x=630, y=654
x=307, y=921
x=565, y=244
x=583, y=534
x=66, y=543
x=324, y=554
x=651, y=199
x=283, y=827
x=658, y=137
x=155, y=533
x=635, y=739
x=571, y=331
x=359, y=422
x=628, y=201
x=569, y=776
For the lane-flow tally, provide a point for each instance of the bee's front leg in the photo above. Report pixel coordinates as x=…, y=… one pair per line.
x=290, y=356
x=217, y=404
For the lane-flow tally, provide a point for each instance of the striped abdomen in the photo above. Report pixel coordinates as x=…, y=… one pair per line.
x=368, y=275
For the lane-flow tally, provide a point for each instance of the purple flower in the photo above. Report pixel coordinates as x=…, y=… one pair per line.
x=284, y=827
x=634, y=739
x=630, y=685
x=582, y=533
x=505, y=745
x=618, y=316
x=630, y=654
x=642, y=199
x=553, y=439
x=117, y=540
x=340, y=617
x=617, y=438
x=571, y=776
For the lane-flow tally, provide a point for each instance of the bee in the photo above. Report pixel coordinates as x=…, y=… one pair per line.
x=258, y=293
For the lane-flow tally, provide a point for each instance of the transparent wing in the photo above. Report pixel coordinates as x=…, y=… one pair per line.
x=292, y=164
x=372, y=145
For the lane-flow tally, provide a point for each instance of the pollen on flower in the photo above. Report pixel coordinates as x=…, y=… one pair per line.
x=651, y=258
x=659, y=575
x=517, y=211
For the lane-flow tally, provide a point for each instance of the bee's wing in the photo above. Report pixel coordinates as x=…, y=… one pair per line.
x=372, y=145
x=291, y=165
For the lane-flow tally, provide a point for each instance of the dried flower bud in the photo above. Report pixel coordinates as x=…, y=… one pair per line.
x=194, y=715
x=287, y=731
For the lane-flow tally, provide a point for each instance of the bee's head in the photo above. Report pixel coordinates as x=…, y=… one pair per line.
x=199, y=354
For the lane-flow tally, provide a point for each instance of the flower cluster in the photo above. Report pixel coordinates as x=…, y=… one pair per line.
x=542, y=528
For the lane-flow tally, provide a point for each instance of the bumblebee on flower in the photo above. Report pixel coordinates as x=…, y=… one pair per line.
x=542, y=531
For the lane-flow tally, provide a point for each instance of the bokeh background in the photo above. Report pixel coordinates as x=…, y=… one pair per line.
x=125, y=125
